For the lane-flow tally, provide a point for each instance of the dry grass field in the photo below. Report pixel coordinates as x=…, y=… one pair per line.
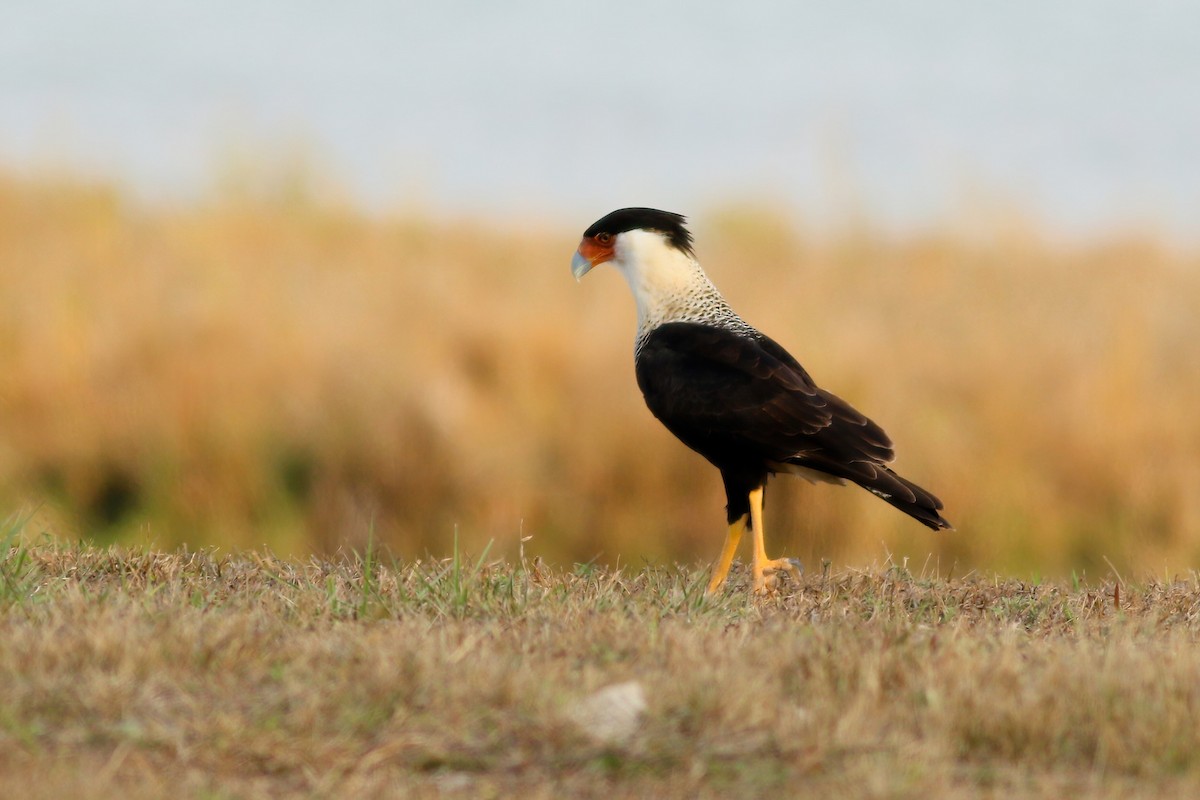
x=132, y=673
x=273, y=367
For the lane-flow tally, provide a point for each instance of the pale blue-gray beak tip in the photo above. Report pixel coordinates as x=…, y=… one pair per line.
x=580, y=265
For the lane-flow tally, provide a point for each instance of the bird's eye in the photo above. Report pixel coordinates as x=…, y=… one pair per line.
x=604, y=238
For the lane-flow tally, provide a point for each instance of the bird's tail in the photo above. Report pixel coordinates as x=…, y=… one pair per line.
x=905, y=495
x=877, y=479
x=874, y=476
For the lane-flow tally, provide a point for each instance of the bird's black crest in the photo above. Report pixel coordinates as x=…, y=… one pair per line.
x=646, y=219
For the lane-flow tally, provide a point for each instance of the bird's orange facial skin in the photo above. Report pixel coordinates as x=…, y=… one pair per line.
x=595, y=251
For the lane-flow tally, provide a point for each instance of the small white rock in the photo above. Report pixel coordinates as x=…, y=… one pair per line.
x=612, y=714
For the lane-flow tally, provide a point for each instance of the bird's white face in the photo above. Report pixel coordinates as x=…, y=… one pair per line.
x=667, y=283
x=635, y=253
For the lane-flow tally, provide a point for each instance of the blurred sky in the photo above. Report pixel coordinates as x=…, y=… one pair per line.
x=1083, y=114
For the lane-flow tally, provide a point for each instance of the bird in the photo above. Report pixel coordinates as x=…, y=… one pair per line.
x=734, y=395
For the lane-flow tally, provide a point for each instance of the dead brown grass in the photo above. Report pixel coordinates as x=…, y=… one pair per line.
x=269, y=368
x=142, y=674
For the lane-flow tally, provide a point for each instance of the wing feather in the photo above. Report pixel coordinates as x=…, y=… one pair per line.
x=720, y=390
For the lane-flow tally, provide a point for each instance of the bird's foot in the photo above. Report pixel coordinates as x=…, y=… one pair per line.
x=766, y=573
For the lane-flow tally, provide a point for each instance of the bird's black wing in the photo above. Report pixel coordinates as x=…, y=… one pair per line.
x=711, y=386
x=745, y=402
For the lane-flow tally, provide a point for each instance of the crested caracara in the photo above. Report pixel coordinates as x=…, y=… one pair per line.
x=732, y=394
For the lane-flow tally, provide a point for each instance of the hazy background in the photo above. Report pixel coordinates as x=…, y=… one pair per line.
x=297, y=275
x=1082, y=114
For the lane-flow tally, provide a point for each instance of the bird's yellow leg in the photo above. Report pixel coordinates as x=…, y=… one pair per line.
x=762, y=564
x=721, y=570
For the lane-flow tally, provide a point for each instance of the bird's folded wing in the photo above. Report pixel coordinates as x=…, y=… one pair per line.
x=707, y=381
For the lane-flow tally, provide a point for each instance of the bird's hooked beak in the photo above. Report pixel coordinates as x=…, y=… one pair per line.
x=580, y=266
x=592, y=253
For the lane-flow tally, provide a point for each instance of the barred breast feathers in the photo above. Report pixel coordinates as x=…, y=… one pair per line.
x=669, y=285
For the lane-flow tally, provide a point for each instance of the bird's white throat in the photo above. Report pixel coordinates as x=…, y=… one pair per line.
x=668, y=285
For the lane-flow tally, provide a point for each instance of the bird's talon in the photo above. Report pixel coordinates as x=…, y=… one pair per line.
x=767, y=574
x=792, y=566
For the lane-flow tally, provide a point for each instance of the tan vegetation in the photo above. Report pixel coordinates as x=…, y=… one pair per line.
x=269, y=367
x=141, y=674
